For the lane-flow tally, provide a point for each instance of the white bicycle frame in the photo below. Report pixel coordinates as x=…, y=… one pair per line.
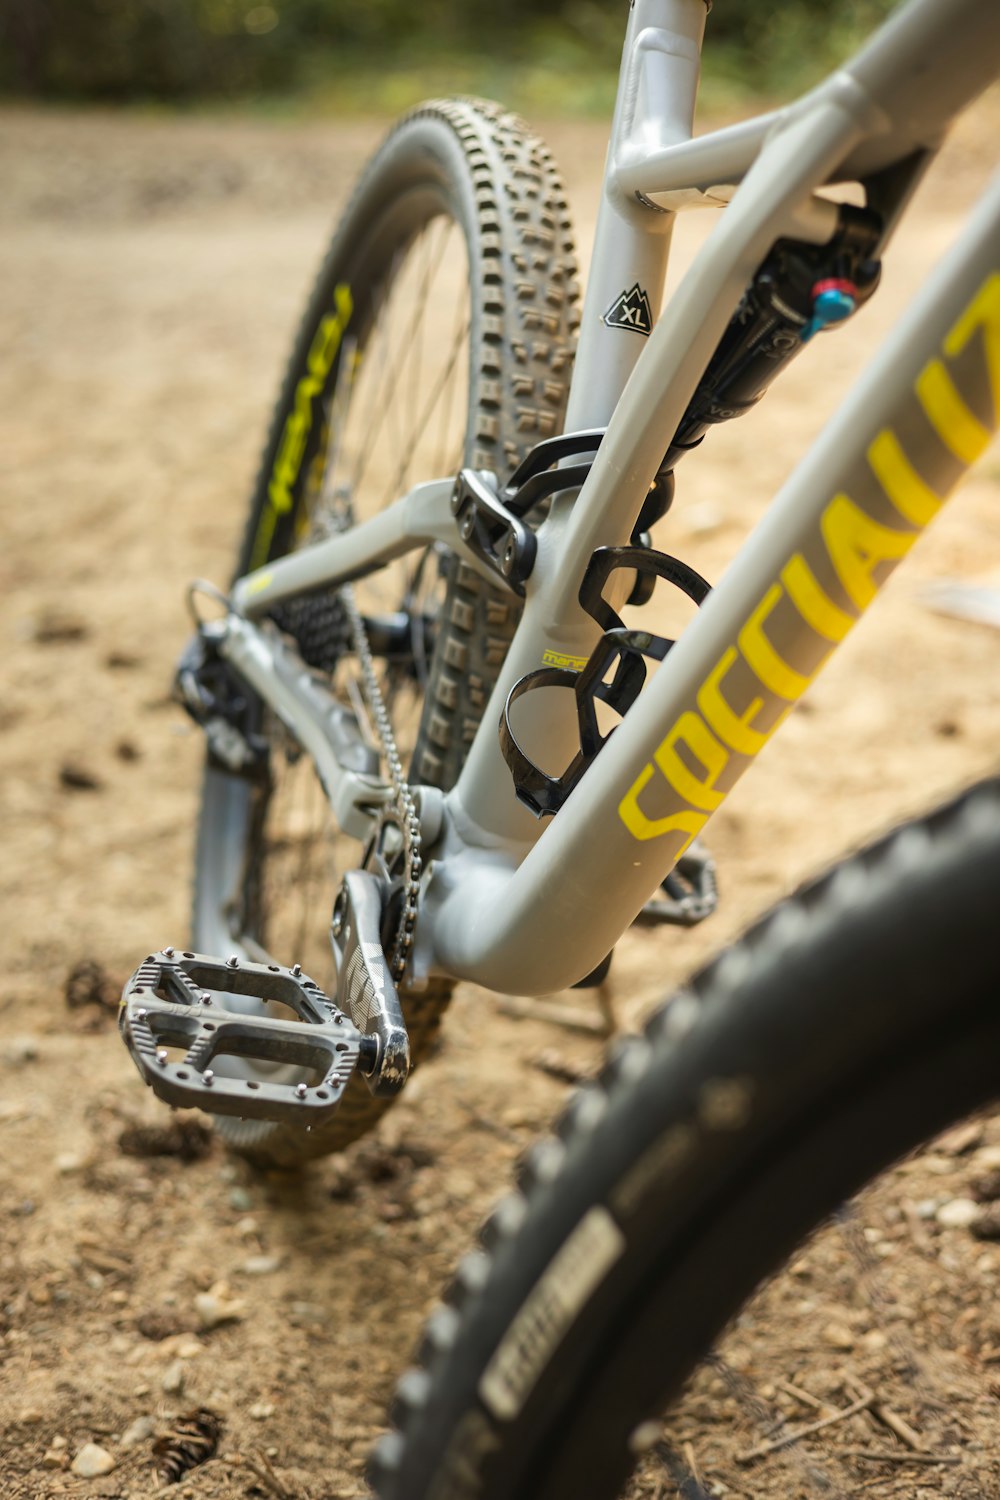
x=531, y=906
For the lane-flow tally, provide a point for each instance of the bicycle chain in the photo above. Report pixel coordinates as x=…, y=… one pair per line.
x=402, y=810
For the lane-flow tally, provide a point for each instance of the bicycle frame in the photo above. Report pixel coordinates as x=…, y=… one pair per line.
x=525, y=906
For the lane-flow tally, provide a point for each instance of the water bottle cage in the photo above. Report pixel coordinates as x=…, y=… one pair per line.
x=614, y=674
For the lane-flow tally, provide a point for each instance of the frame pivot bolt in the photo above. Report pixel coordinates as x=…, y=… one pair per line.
x=468, y=526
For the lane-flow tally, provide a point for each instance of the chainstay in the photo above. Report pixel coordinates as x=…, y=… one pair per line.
x=403, y=809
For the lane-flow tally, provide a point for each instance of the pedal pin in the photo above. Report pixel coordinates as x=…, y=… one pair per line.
x=297, y=970
x=208, y=1077
x=301, y=1090
x=161, y=1056
x=233, y=961
x=168, y=952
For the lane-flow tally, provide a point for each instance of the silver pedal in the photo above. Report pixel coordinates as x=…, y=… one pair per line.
x=177, y=1000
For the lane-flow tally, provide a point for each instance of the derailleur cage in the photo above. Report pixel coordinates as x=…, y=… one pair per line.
x=211, y=692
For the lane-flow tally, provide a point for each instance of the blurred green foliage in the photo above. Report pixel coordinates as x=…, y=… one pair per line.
x=380, y=53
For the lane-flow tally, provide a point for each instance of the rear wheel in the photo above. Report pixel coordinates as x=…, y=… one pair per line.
x=440, y=333
x=850, y=1025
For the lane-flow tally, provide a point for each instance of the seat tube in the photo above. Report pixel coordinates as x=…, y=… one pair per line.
x=654, y=108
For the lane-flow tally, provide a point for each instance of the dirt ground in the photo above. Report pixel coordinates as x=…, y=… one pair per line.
x=151, y=273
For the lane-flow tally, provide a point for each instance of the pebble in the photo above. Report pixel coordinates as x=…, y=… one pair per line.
x=261, y=1265
x=260, y=1410
x=958, y=1213
x=703, y=517
x=927, y=1208
x=92, y=1461
x=961, y=1138
x=30, y=1415
x=218, y=1305
x=21, y=1049
x=839, y=1336
x=138, y=1431
x=173, y=1379
x=306, y=1314
x=240, y=1199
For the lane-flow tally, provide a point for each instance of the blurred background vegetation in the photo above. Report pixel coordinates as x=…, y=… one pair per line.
x=546, y=56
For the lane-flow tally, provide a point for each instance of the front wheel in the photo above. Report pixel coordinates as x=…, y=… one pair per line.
x=851, y=1024
x=440, y=333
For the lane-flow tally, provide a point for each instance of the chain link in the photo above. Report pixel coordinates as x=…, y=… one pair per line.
x=402, y=810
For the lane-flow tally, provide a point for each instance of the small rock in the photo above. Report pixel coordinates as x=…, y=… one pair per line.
x=92, y=1461
x=138, y=1431
x=21, y=1049
x=247, y=1228
x=261, y=1410
x=240, y=1199
x=29, y=1415
x=703, y=517
x=218, y=1305
x=261, y=1265
x=306, y=1315
x=77, y=778
x=927, y=1208
x=54, y=627
x=986, y=1188
x=838, y=1336
x=68, y=1162
x=960, y=1138
x=987, y=1158
x=189, y=1348
x=161, y=1323
x=958, y=1213
x=987, y=1224
x=173, y=1379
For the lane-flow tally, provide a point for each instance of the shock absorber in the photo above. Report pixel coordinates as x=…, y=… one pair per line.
x=798, y=290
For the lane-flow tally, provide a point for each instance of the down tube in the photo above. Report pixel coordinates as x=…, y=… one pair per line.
x=919, y=417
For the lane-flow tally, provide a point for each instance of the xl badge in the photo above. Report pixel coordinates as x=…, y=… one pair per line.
x=631, y=310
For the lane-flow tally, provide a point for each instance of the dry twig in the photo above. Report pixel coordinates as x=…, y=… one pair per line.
x=772, y=1446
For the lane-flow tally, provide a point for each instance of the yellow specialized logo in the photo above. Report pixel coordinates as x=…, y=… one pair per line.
x=695, y=754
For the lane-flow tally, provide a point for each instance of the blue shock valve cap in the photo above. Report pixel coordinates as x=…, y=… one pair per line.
x=833, y=301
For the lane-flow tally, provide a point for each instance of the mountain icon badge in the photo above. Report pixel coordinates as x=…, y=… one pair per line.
x=631, y=310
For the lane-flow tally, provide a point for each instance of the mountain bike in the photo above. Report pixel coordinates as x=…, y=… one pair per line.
x=424, y=709
x=423, y=647
x=421, y=703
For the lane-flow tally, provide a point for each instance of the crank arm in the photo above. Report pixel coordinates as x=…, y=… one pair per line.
x=364, y=982
x=179, y=1001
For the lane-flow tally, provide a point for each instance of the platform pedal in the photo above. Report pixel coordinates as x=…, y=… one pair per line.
x=179, y=1000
